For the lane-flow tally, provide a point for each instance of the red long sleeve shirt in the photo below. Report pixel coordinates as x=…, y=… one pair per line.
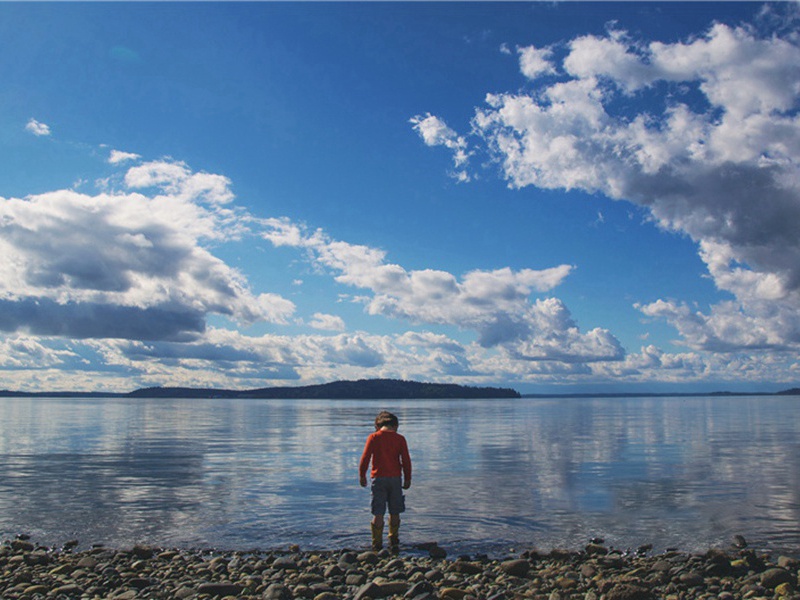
x=388, y=452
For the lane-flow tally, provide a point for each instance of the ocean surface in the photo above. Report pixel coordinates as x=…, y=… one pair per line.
x=491, y=476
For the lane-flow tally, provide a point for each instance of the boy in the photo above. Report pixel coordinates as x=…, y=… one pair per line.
x=388, y=452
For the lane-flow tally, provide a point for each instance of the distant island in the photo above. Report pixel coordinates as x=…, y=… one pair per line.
x=372, y=389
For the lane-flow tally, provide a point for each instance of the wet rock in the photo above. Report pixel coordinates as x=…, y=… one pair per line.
x=286, y=563
x=772, y=578
x=370, y=557
x=515, y=568
x=466, y=568
x=596, y=550
x=21, y=545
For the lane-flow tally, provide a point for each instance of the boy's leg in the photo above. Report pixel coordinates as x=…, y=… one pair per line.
x=377, y=532
x=394, y=532
x=379, y=499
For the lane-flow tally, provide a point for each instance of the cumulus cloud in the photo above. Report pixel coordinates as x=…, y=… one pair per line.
x=435, y=132
x=26, y=352
x=125, y=264
x=327, y=322
x=707, y=140
x=37, y=128
x=495, y=304
x=117, y=156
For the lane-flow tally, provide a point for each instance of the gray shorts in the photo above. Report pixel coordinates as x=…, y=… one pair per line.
x=388, y=490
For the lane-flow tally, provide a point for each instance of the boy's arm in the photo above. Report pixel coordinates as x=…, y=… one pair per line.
x=406, y=459
x=363, y=464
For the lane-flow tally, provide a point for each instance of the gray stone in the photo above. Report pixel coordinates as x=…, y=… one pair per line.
x=692, y=579
x=772, y=578
x=355, y=579
x=369, y=557
x=515, y=568
x=277, y=591
x=369, y=590
x=87, y=562
x=418, y=589
x=394, y=588
x=220, y=589
x=286, y=563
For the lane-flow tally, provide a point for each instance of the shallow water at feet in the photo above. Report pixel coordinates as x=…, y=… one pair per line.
x=489, y=475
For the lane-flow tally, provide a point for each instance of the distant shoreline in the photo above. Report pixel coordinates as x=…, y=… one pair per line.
x=370, y=389
x=364, y=389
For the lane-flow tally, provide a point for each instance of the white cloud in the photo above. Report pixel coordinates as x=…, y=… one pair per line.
x=123, y=264
x=708, y=142
x=495, y=304
x=25, y=352
x=535, y=62
x=117, y=156
x=177, y=179
x=37, y=128
x=327, y=322
x=435, y=132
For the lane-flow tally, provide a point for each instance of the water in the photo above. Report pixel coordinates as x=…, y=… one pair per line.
x=489, y=475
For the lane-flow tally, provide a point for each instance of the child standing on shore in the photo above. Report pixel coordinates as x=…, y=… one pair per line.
x=388, y=452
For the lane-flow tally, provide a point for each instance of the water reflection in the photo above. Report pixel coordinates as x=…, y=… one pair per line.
x=489, y=475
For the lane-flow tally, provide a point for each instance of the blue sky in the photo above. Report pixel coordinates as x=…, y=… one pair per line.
x=552, y=196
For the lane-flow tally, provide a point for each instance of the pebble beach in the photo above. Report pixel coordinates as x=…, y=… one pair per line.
x=425, y=572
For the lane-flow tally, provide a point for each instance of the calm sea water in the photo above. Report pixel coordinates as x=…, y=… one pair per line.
x=489, y=475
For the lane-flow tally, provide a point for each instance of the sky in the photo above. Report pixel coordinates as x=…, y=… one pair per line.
x=551, y=196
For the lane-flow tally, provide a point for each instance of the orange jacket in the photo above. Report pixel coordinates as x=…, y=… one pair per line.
x=389, y=454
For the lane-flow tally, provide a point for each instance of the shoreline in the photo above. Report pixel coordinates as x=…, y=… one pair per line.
x=424, y=572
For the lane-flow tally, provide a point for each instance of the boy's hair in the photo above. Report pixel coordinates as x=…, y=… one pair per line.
x=386, y=419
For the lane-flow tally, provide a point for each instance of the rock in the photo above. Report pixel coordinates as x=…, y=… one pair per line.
x=466, y=568
x=452, y=593
x=515, y=568
x=629, y=591
x=183, y=592
x=286, y=563
x=588, y=571
x=434, y=575
x=326, y=596
x=87, y=562
x=772, y=578
x=787, y=562
x=126, y=595
x=139, y=583
x=220, y=589
x=418, y=589
x=333, y=571
x=692, y=579
x=355, y=579
x=369, y=557
x=143, y=552
x=70, y=589
x=36, y=589
x=22, y=545
x=277, y=591
x=596, y=550
x=394, y=588
x=369, y=590
x=784, y=589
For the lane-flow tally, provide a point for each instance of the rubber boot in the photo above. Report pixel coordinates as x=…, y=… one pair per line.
x=377, y=536
x=394, y=537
